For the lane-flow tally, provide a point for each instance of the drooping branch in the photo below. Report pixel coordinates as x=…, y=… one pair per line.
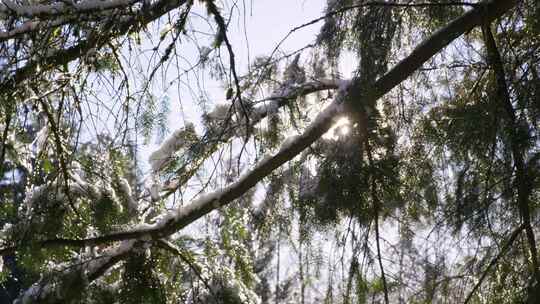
x=222, y=35
x=523, y=183
x=377, y=208
x=350, y=97
x=69, y=283
x=59, y=151
x=5, y=133
x=494, y=262
x=177, y=252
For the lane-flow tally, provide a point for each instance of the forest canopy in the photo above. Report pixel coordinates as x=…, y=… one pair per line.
x=147, y=156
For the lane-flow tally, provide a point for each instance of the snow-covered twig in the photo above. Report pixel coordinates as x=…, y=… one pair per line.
x=12, y=8
x=163, y=155
x=265, y=107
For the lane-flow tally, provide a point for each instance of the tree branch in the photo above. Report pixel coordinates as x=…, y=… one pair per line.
x=222, y=34
x=514, y=128
x=377, y=206
x=351, y=95
x=11, y=8
x=98, y=38
x=60, y=152
x=494, y=262
x=69, y=284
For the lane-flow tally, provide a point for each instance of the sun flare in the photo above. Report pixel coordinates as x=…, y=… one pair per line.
x=339, y=129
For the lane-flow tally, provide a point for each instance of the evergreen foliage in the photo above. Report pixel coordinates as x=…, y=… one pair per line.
x=124, y=178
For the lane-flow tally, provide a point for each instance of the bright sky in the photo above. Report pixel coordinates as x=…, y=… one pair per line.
x=270, y=22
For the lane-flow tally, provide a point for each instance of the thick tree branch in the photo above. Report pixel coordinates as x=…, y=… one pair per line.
x=485, y=12
x=70, y=282
x=60, y=8
x=30, y=26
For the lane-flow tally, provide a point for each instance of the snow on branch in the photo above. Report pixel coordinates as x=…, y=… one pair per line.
x=178, y=140
x=344, y=101
x=39, y=24
x=70, y=282
x=11, y=78
x=290, y=91
x=29, y=26
x=82, y=188
x=266, y=107
x=281, y=96
x=11, y=8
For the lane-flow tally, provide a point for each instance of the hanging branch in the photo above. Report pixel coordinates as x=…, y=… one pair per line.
x=60, y=152
x=351, y=95
x=495, y=261
x=377, y=208
x=514, y=128
x=5, y=133
x=174, y=250
x=222, y=35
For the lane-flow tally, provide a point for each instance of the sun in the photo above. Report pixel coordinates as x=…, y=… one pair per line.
x=339, y=129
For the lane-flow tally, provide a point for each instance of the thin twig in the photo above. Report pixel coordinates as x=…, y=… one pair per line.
x=523, y=184
x=494, y=262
